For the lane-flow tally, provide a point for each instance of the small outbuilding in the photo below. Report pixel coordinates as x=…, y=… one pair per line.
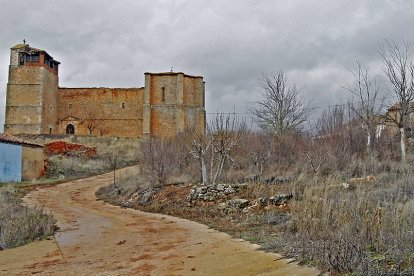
x=20, y=159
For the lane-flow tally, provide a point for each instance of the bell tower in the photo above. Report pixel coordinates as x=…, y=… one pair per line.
x=32, y=92
x=173, y=102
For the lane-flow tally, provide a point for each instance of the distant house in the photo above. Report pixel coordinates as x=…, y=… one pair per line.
x=393, y=116
x=20, y=159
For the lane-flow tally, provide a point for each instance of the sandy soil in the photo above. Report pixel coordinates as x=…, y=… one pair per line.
x=99, y=239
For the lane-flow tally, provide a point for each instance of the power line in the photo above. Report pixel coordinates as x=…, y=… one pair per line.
x=306, y=108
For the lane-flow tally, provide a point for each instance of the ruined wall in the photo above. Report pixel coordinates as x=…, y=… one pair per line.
x=102, y=111
x=32, y=162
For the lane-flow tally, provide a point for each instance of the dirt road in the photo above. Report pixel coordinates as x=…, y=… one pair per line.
x=99, y=239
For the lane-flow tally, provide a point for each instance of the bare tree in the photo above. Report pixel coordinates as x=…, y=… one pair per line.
x=216, y=145
x=114, y=161
x=259, y=148
x=399, y=69
x=159, y=158
x=332, y=121
x=198, y=145
x=367, y=103
x=280, y=110
x=91, y=120
x=226, y=130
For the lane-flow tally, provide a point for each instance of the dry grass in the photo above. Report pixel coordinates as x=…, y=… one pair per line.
x=361, y=228
x=366, y=229
x=20, y=224
x=125, y=151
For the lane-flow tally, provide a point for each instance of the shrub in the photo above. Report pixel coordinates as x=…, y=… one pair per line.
x=20, y=224
x=367, y=229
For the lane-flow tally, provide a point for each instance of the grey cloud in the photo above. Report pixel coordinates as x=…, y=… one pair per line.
x=230, y=43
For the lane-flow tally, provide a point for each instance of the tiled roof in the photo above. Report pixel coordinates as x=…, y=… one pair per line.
x=6, y=138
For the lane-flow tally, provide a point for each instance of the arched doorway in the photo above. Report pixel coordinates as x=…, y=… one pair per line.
x=70, y=129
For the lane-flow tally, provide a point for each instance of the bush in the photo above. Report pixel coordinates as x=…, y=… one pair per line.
x=124, y=151
x=20, y=224
x=159, y=159
x=367, y=229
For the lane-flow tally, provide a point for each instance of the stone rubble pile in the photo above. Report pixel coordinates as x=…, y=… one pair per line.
x=262, y=202
x=221, y=191
x=237, y=203
x=224, y=192
x=274, y=200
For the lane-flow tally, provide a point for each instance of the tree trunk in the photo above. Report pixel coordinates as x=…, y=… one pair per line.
x=204, y=175
x=369, y=143
x=218, y=172
x=403, y=145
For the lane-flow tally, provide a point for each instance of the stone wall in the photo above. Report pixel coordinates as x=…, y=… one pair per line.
x=50, y=101
x=174, y=102
x=102, y=111
x=168, y=104
x=32, y=162
x=31, y=101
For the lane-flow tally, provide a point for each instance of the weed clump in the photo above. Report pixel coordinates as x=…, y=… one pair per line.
x=20, y=224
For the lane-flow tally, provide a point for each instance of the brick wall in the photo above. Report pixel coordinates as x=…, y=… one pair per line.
x=106, y=111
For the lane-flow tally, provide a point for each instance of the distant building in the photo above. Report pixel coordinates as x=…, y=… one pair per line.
x=168, y=104
x=20, y=159
x=389, y=122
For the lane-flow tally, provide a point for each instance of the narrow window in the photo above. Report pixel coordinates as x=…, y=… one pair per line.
x=50, y=130
x=22, y=57
x=122, y=105
x=70, y=106
x=163, y=94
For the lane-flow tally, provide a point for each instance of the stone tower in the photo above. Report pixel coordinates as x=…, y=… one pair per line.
x=172, y=102
x=32, y=92
x=169, y=103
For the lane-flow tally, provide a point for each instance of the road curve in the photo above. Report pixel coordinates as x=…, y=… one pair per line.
x=96, y=238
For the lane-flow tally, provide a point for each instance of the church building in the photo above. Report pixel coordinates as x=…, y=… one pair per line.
x=168, y=103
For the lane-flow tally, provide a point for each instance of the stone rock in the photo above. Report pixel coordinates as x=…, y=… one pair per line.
x=280, y=199
x=192, y=195
x=263, y=201
x=274, y=200
x=221, y=187
x=146, y=198
x=201, y=190
x=229, y=190
x=118, y=191
x=238, y=203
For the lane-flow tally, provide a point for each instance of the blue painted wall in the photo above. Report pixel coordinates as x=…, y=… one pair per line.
x=10, y=163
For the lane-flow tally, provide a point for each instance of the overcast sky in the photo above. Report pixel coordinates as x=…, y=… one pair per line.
x=229, y=43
